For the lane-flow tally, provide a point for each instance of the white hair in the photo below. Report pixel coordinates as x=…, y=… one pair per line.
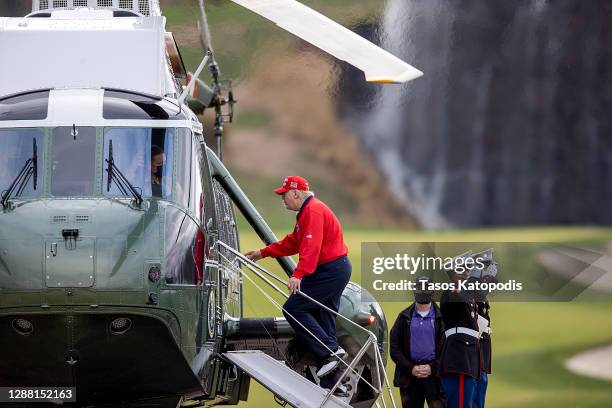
x=304, y=194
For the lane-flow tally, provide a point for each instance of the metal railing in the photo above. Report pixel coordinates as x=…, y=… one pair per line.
x=371, y=341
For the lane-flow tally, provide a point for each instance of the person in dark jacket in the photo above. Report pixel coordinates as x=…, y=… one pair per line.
x=415, y=346
x=486, y=353
x=460, y=359
x=486, y=274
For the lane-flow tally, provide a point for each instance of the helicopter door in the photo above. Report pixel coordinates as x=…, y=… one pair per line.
x=228, y=233
x=233, y=383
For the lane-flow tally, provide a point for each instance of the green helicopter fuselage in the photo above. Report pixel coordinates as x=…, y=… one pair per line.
x=111, y=279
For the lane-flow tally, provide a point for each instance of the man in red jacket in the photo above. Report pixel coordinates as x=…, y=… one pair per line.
x=322, y=272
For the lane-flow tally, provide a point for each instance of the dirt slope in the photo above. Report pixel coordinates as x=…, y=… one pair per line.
x=298, y=132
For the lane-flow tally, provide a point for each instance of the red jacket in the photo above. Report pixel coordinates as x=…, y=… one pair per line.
x=317, y=237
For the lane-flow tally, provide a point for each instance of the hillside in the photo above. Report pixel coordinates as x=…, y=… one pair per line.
x=286, y=120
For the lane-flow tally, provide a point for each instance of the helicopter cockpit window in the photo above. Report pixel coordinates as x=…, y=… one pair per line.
x=27, y=106
x=21, y=161
x=74, y=156
x=128, y=105
x=144, y=156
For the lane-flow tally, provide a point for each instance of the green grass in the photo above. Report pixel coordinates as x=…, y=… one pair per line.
x=530, y=340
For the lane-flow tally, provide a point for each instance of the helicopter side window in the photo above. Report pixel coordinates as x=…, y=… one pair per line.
x=198, y=200
x=185, y=240
x=183, y=249
x=198, y=204
x=188, y=175
x=144, y=156
x=17, y=147
x=74, y=154
x=183, y=171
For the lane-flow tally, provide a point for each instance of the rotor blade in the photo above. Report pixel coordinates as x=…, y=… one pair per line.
x=205, y=37
x=302, y=21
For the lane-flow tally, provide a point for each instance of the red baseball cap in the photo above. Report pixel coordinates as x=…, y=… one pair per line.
x=292, y=183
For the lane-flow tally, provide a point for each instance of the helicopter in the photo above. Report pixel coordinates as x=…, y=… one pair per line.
x=119, y=250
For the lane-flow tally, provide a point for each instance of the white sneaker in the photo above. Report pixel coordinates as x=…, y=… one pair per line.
x=328, y=366
x=340, y=391
x=331, y=362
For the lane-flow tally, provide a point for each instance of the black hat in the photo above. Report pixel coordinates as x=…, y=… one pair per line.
x=451, y=270
x=422, y=293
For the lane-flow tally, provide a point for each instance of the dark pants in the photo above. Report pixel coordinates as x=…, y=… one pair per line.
x=419, y=390
x=460, y=390
x=481, y=390
x=325, y=285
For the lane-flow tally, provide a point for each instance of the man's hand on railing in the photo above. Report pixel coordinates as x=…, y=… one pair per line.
x=253, y=255
x=294, y=285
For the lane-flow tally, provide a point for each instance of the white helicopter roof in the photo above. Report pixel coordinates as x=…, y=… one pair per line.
x=84, y=48
x=94, y=107
x=120, y=44
x=144, y=7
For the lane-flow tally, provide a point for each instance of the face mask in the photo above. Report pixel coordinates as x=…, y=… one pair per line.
x=160, y=171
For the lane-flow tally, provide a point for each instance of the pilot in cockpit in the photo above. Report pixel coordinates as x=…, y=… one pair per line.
x=157, y=162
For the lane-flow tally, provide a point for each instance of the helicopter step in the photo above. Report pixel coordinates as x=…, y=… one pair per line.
x=282, y=381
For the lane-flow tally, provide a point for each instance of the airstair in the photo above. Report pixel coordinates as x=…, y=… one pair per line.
x=297, y=390
x=281, y=380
